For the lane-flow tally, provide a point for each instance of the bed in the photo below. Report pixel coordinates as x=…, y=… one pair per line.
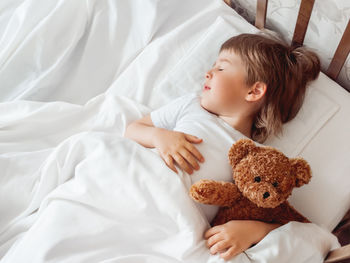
x=73, y=74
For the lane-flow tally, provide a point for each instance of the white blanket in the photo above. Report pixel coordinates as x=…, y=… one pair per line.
x=86, y=194
x=73, y=50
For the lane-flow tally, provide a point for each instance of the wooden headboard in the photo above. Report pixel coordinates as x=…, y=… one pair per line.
x=338, y=60
x=304, y=15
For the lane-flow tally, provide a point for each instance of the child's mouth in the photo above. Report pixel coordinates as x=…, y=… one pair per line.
x=206, y=88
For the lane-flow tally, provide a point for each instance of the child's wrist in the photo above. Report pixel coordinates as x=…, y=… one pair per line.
x=156, y=135
x=262, y=229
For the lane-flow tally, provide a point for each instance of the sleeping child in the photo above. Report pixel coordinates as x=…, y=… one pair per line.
x=256, y=84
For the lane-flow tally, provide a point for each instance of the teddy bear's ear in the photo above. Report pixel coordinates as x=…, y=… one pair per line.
x=239, y=150
x=301, y=171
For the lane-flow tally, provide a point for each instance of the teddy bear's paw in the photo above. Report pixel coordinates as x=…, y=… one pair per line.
x=203, y=191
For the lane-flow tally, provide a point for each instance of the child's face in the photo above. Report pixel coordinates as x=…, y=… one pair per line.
x=225, y=86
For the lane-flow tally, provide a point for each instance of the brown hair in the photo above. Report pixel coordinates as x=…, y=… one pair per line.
x=284, y=69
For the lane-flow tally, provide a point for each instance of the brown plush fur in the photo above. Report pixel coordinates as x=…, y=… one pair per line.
x=263, y=179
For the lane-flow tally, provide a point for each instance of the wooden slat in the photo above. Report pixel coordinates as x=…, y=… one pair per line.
x=302, y=22
x=228, y=2
x=340, y=54
x=338, y=254
x=260, y=18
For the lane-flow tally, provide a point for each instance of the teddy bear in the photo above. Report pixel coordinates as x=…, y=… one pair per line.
x=263, y=179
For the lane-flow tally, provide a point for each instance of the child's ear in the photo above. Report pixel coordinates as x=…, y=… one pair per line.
x=256, y=91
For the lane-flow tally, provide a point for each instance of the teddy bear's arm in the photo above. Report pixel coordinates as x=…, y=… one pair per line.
x=286, y=213
x=215, y=193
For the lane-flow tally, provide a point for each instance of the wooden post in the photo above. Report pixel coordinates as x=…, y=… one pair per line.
x=340, y=54
x=261, y=9
x=302, y=22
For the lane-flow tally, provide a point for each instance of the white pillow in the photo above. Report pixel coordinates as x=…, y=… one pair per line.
x=319, y=133
x=326, y=199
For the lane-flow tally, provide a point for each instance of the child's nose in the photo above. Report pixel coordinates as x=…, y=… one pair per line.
x=208, y=74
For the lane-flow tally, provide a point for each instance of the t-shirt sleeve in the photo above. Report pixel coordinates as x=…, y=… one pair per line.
x=167, y=116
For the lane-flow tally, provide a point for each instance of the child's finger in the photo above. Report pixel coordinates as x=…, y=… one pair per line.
x=182, y=163
x=212, y=231
x=189, y=158
x=169, y=161
x=219, y=247
x=192, y=138
x=230, y=253
x=213, y=240
x=194, y=151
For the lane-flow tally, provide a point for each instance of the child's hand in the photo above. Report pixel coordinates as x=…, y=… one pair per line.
x=177, y=146
x=236, y=236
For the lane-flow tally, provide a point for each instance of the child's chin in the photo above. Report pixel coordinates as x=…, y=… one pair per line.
x=206, y=106
x=203, y=103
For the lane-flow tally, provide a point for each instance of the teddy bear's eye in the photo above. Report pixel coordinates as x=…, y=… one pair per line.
x=257, y=179
x=275, y=184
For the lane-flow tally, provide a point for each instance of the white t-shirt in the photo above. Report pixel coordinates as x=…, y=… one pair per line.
x=185, y=114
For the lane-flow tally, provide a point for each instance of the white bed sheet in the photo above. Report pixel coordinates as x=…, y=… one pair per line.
x=72, y=189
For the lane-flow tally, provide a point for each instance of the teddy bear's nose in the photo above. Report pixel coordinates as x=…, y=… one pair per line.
x=266, y=195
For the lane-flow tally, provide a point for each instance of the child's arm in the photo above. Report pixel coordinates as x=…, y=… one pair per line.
x=171, y=145
x=236, y=236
